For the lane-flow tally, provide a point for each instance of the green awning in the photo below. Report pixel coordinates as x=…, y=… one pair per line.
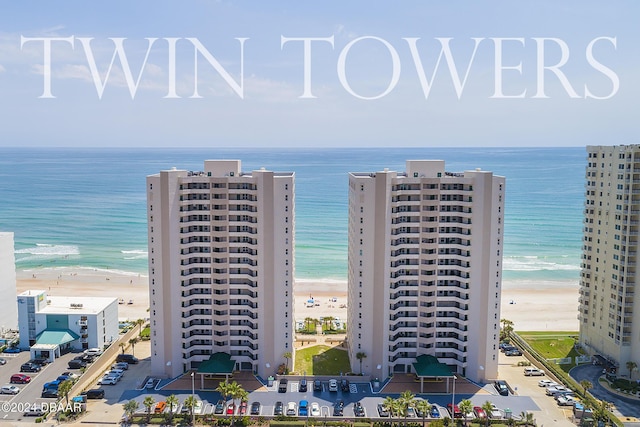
x=428, y=366
x=56, y=337
x=218, y=363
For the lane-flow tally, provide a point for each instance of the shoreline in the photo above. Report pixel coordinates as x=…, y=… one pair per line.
x=536, y=304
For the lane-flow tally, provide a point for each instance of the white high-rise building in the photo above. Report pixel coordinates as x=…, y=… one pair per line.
x=221, y=267
x=425, y=269
x=609, y=325
x=9, y=313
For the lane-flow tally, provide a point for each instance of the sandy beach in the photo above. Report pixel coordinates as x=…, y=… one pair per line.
x=536, y=306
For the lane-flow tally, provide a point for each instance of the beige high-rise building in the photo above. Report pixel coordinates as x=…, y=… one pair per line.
x=221, y=267
x=425, y=269
x=608, y=324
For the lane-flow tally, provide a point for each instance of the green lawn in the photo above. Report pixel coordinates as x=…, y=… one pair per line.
x=552, y=345
x=322, y=360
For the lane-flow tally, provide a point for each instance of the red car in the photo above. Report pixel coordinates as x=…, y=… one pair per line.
x=243, y=408
x=20, y=379
x=231, y=409
x=479, y=412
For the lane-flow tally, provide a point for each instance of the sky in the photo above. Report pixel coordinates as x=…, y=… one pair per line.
x=318, y=74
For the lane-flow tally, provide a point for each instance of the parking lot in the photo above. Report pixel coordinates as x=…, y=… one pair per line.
x=528, y=396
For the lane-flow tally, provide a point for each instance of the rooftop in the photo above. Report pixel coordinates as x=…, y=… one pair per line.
x=70, y=305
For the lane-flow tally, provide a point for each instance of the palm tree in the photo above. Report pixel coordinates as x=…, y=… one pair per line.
x=133, y=342
x=287, y=356
x=527, y=417
x=465, y=406
x=424, y=407
x=487, y=407
x=190, y=403
x=64, y=388
x=123, y=346
x=361, y=355
x=172, y=402
x=139, y=323
x=586, y=385
x=235, y=391
x=327, y=321
x=307, y=322
x=406, y=401
x=224, y=389
x=507, y=327
x=130, y=408
x=148, y=402
x=631, y=365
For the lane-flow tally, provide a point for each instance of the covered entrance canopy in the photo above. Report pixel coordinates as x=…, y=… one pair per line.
x=218, y=364
x=50, y=341
x=427, y=366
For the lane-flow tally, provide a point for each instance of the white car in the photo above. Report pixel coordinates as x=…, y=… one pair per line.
x=291, y=409
x=9, y=389
x=116, y=372
x=545, y=383
x=93, y=352
x=197, y=409
x=151, y=382
x=107, y=380
x=333, y=385
x=315, y=409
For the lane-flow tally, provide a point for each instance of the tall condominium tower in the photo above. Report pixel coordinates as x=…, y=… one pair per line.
x=9, y=313
x=425, y=269
x=221, y=267
x=608, y=324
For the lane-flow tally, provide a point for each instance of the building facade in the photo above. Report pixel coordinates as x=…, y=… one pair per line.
x=56, y=323
x=221, y=267
x=9, y=313
x=608, y=324
x=425, y=269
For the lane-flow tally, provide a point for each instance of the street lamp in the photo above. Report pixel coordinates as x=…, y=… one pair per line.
x=453, y=399
x=193, y=401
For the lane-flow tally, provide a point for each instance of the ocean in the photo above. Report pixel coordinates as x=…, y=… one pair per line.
x=86, y=208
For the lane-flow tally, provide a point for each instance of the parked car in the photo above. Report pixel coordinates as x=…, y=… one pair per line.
x=382, y=411
x=9, y=389
x=219, y=408
x=11, y=350
x=501, y=387
x=3, y=361
x=76, y=364
x=358, y=409
x=255, y=408
x=93, y=352
x=71, y=375
x=197, y=408
x=151, y=383
x=242, y=410
x=291, y=409
x=302, y=386
x=435, y=413
x=129, y=358
x=303, y=409
x=30, y=367
x=338, y=408
x=53, y=385
x=547, y=383
x=40, y=361
x=454, y=411
x=34, y=411
x=94, y=393
x=317, y=385
x=532, y=371
x=315, y=409
x=479, y=412
x=278, y=409
x=282, y=385
x=231, y=409
x=20, y=379
x=160, y=407
x=344, y=385
x=107, y=380
x=514, y=352
x=333, y=385
x=121, y=365
x=50, y=393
